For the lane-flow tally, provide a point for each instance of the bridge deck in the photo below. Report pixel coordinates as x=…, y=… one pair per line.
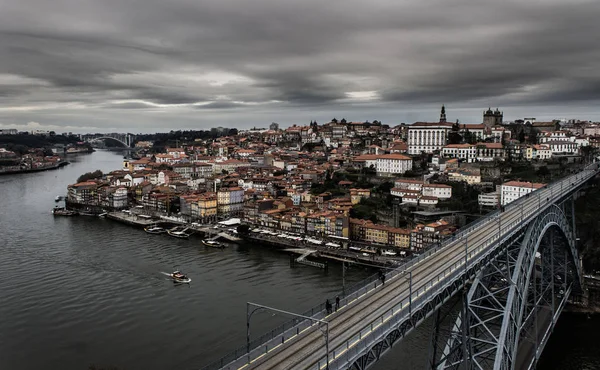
x=358, y=321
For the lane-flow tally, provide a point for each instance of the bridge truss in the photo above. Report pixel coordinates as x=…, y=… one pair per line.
x=513, y=303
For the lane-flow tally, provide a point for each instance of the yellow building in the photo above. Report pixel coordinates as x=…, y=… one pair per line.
x=367, y=231
x=357, y=194
x=205, y=207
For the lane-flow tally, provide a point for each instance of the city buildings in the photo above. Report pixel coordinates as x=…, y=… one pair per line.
x=513, y=190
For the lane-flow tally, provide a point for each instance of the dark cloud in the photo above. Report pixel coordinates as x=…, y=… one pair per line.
x=70, y=62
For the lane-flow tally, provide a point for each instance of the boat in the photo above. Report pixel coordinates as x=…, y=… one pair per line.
x=102, y=215
x=61, y=211
x=212, y=243
x=59, y=198
x=154, y=230
x=179, y=277
x=175, y=232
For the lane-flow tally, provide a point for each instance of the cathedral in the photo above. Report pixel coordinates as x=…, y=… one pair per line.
x=492, y=118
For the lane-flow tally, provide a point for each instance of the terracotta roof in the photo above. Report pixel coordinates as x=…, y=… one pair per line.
x=524, y=184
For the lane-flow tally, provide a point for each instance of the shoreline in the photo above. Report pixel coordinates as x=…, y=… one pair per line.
x=48, y=168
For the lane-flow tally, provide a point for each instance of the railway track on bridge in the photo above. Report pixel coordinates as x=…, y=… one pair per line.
x=307, y=350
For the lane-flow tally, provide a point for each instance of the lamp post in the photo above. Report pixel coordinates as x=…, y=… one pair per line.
x=344, y=278
x=409, y=292
x=257, y=307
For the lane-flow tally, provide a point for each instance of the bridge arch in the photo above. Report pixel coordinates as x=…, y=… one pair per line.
x=111, y=138
x=524, y=288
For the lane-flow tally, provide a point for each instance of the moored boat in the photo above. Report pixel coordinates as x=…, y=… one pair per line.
x=58, y=198
x=154, y=230
x=61, y=211
x=212, y=243
x=178, y=233
x=179, y=277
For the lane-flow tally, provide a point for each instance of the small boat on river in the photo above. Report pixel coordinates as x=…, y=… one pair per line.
x=212, y=243
x=179, y=277
x=154, y=230
x=59, y=198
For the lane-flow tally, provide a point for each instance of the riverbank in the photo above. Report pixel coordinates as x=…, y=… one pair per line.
x=13, y=171
x=290, y=246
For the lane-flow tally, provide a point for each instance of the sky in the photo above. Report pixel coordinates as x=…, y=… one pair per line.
x=156, y=66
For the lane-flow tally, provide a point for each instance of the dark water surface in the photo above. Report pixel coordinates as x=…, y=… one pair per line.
x=82, y=290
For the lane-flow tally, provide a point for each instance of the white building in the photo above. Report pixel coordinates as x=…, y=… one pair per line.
x=541, y=152
x=441, y=191
x=488, y=199
x=427, y=136
x=466, y=152
x=513, y=190
x=393, y=164
x=408, y=184
x=562, y=147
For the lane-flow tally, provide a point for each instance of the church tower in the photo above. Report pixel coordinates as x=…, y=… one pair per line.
x=443, y=114
x=492, y=118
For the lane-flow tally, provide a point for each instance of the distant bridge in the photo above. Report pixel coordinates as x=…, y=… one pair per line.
x=125, y=139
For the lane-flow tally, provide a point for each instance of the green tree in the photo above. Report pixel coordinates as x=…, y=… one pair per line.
x=454, y=136
x=90, y=176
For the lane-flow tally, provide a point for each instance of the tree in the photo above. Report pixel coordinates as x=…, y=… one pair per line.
x=532, y=138
x=543, y=171
x=454, y=136
x=90, y=176
x=522, y=136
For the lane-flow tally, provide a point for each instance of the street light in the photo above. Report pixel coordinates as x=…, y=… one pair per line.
x=258, y=307
x=409, y=292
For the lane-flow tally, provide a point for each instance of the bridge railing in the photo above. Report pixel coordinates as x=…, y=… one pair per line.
x=347, y=352
x=275, y=337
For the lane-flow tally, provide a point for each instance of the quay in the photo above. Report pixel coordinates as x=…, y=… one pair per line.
x=338, y=255
x=13, y=171
x=322, y=254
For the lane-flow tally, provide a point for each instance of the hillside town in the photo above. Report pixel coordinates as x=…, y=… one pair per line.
x=405, y=187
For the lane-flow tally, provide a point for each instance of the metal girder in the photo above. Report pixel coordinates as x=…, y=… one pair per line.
x=512, y=294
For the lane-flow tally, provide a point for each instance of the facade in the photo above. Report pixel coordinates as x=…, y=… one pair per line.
x=513, y=190
x=393, y=164
x=489, y=199
x=470, y=176
x=466, y=152
x=487, y=152
x=492, y=118
x=440, y=191
x=205, y=207
x=230, y=201
x=427, y=136
x=384, y=235
x=83, y=193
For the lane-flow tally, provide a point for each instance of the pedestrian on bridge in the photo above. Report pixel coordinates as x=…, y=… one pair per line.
x=328, y=306
x=337, y=303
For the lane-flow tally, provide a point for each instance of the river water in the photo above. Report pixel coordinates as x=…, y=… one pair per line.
x=82, y=290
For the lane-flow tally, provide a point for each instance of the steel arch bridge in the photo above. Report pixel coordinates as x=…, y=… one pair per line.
x=512, y=271
x=514, y=302
x=125, y=139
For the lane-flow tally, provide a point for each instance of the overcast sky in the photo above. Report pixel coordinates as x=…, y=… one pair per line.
x=156, y=65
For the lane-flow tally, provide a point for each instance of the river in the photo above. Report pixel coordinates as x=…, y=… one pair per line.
x=82, y=290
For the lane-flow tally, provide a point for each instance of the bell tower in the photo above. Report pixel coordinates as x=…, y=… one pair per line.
x=443, y=114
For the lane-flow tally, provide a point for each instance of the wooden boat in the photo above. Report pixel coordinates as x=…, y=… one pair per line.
x=177, y=233
x=212, y=243
x=154, y=230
